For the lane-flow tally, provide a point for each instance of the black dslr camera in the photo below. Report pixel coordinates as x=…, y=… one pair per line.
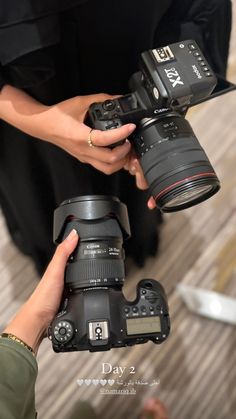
x=171, y=79
x=94, y=314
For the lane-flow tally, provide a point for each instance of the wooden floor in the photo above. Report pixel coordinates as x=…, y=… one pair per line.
x=194, y=372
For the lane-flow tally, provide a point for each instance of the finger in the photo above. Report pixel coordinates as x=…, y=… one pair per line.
x=106, y=168
x=56, y=268
x=106, y=155
x=111, y=136
x=51, y=286
x=136, y=169
x=156, y=409
x=151, y=203
x=141, y=181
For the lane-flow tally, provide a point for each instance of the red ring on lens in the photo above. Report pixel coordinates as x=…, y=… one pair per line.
x=168, y=188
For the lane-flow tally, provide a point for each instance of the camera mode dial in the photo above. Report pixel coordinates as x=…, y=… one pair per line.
x=63, y=331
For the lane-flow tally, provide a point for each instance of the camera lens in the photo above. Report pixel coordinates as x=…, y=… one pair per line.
x=101, y=222
x=175, y=166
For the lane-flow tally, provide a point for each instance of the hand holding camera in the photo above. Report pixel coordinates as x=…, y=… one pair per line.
x=175, y=166
x=94, y=314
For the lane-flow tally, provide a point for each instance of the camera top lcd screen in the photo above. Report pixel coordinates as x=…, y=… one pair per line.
x=139, y=325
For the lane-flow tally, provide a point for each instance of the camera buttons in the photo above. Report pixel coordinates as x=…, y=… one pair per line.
x=108, y=105
x=135, y=309
x=126, y=310
x=192, y=47
x=63, y=331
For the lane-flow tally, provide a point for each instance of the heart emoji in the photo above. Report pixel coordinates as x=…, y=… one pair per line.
x=111, y=382
x=103, y=382
x=87, y=382
x=80, y=382
x=95, y=382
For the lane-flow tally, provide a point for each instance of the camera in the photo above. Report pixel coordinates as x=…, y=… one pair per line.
x=94, y=314
x=171, y=79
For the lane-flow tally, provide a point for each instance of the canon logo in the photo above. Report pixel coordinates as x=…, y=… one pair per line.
x=197, y=72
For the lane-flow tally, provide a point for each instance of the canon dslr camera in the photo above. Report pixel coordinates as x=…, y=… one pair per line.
x=94, y=314
x=171, y=79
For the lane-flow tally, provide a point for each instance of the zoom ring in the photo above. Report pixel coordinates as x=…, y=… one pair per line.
x=94, y=273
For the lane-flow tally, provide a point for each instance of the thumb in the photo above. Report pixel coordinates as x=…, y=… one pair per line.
x=56, y=268
x=63, y=251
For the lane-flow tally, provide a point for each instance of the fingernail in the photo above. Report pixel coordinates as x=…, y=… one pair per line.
x=151, y=206
x=131, y=127
x=72, y=235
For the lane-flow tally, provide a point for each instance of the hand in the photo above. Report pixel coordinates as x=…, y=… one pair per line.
x=37, y=313
x=134, y=168
x=154, y=409
x=65, y=123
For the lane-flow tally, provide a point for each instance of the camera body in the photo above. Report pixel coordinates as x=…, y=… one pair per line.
x=94, y=314
x=170, y=80
x=98, y=319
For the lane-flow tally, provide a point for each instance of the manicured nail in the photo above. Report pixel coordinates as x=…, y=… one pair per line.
x=127, y=142
x=72, y=235
x=131, y=127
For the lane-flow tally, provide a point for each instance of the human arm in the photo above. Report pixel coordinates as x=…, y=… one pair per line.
x=33, y=318
x=18, y=366
x=63, y=125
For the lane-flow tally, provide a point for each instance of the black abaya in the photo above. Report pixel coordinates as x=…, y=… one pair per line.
x=60, y=50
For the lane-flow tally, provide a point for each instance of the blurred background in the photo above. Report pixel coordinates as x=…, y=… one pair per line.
x=193, y=372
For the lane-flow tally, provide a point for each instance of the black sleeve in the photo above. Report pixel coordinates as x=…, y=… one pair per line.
x=200, y=20
x=2, y=79
x=24, y=58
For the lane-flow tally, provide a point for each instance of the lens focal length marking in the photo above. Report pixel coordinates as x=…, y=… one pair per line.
x=99, y=250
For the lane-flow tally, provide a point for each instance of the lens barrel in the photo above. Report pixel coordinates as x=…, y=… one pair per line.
x=175, y=166
x=102, y=223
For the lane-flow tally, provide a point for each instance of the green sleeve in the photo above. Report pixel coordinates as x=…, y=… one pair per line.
x=18, y=373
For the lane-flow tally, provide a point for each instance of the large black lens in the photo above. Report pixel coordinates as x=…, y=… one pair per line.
x=102, y=222
x=175, y=166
